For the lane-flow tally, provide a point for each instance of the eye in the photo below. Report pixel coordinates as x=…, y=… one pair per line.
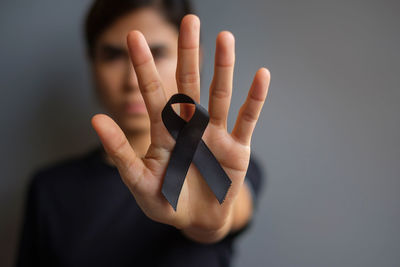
x=109, y=53
x=158, y=52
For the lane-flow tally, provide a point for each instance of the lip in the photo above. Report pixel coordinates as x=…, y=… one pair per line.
x=135, y=108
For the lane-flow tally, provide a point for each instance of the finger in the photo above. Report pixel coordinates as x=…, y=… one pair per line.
x=148, y=78
x=221, y=85
x=250, y=110
x=118, y=148
x=187, y=70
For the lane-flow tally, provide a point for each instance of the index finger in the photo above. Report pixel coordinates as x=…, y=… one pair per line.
x=149, y=81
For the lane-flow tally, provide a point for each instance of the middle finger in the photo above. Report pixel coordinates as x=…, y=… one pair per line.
x=187, y=71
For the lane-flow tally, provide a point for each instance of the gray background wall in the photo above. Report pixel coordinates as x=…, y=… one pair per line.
x=328, y=135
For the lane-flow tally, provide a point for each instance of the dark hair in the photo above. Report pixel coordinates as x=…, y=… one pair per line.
x=103, y=13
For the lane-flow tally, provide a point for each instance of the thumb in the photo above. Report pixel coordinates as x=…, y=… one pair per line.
x=116, y=145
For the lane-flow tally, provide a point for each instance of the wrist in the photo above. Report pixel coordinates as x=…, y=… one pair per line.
x=208, y=236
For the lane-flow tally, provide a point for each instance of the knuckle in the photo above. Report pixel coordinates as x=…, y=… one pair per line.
x=249, y=116
x=152, y=86
x=256, y=99
x=117, y=150
x=220, y=92
x=217, y=121
x=188, y=78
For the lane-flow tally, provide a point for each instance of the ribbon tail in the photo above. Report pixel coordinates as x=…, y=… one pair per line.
x=212, y=172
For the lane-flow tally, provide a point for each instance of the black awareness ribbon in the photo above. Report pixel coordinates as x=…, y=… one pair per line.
x=190, y=148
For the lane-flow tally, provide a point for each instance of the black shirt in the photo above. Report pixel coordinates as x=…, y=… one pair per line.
x=80, y=213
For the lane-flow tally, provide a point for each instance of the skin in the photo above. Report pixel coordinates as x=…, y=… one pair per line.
x=154, y=63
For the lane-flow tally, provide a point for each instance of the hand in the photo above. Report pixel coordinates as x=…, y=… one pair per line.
x=198, y=210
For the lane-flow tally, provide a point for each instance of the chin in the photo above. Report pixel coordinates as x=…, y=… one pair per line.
x=134, y=125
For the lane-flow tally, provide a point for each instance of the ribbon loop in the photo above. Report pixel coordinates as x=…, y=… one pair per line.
x=190, y=148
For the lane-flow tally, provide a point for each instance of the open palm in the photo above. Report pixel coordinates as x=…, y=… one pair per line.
x=197, y=206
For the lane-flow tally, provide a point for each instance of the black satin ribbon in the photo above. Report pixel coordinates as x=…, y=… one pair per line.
x=190, y=148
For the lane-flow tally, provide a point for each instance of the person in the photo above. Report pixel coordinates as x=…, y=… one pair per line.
x=105, y=208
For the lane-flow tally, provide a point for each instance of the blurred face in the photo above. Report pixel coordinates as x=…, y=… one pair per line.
x=114, y=77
